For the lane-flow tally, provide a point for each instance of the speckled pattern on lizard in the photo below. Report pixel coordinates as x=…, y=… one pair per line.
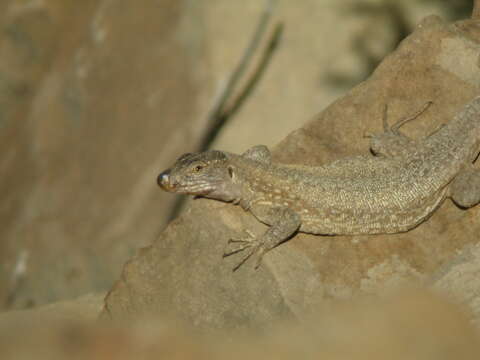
x=391, y=189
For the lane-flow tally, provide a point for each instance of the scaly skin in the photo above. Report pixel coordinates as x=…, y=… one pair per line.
x=391, y=191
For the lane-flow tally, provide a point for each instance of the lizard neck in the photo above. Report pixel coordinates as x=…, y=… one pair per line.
x=266, y=183
x=250, y=176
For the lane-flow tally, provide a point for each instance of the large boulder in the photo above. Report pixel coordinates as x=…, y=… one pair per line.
x=94, y=97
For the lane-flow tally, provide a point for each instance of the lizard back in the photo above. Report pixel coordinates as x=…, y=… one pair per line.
x=369, y=194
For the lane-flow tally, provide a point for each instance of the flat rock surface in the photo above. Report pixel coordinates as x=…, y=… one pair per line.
x=183, y=273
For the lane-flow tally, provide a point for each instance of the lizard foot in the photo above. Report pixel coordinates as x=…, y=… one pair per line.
x=249, y=243
x=241, y=244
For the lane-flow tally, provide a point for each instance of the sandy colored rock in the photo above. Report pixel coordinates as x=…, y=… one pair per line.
x=410, y=324
x=84, y=309
x=326, y=49
x=183, y=273
x=459, y=279
x=94, y=96
x=97, y=95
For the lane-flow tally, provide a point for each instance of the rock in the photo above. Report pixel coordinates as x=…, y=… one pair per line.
x=327, y=48
x=83, y=310
x=458, y=278
x=94, y=97
x=184, y=275
x=411, y=324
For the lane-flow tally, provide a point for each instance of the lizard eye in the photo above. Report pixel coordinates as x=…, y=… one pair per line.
x=198, y=167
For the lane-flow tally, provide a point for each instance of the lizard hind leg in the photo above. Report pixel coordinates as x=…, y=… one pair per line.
x=392, y=143
x=465, y=188
x=395, y=127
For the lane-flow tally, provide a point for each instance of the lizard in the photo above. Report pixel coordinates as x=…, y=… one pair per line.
x=393, y=188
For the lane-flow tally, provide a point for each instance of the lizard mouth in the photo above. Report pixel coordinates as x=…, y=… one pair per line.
x=199, y=189
x=165, y=181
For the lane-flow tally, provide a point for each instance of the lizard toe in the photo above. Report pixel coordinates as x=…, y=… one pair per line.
x=241, y=244
x=259, y=257
x=257, y=251
x=235, y=250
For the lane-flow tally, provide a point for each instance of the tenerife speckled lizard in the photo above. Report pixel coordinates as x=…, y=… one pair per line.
x=393, y=189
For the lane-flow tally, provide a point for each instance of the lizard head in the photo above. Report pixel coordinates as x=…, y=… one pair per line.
x=207, y=174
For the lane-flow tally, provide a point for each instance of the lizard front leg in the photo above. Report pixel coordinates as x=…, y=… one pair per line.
x=284, y=222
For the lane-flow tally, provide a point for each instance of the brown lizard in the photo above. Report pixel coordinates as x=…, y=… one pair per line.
x=392, y=189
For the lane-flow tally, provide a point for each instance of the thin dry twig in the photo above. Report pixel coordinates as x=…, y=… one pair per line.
x=232, y=103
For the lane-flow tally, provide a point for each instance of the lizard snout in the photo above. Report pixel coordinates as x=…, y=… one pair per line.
x=163, y=180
